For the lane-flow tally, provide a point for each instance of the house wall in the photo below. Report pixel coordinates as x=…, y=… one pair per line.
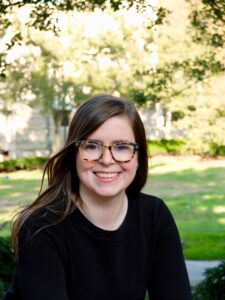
x=26, y=132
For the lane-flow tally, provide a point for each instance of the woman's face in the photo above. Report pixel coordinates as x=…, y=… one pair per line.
x=107, y=177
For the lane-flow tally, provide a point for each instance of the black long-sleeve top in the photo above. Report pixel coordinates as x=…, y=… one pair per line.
x=75, y=260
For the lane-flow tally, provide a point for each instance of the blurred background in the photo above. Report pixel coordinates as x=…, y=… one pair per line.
x=166, y=56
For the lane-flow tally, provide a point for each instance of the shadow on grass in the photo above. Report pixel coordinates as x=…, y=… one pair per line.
x=197, y=201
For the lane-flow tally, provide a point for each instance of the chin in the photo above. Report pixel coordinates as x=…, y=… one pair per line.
x=109, y=194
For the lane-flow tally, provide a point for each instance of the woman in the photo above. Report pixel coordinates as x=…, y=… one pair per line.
x=92, y=234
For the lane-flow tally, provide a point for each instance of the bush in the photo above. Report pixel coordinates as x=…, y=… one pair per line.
x=186, y=146
x=166, y=146
x=213, y=286
x=216, y=150
x=7, y=264
x=23, y=163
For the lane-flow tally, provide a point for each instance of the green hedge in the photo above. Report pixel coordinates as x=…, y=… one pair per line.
x=186, y=147
x=7, y=264
x=23, y=163
x=216, y=149
x=213, y=286
x=167, y=147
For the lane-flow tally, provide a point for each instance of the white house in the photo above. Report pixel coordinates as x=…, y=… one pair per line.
x=25, y=132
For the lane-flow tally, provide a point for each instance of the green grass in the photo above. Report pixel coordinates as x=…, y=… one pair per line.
x=195, y=193
x=193, y=189
x=17, y=189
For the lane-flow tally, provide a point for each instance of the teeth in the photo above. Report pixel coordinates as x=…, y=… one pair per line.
x=106, y=175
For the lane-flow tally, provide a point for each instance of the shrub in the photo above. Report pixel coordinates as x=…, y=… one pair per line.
x=7, y=264
x=186, y=146
x=166, y=146
x=216, y=150
x=213, y=286
x=23, y=163
x=177, y=115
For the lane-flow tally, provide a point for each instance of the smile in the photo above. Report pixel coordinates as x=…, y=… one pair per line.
x=106, y=175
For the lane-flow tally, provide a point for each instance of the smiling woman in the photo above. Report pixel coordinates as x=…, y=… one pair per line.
x=92, y=234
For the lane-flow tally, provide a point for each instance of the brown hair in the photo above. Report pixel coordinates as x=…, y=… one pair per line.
x=63, y=183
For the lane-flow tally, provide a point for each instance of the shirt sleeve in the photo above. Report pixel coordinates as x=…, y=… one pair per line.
x=169, y=278
x=40, y=270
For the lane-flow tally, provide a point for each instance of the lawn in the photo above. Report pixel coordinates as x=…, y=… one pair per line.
x=16, y=189
x=193, y=188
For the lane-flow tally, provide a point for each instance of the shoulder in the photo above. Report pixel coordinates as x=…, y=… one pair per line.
x=151, y=203
x=40, y=233
x=40, y=223
x=42, y=217
x=153, y=210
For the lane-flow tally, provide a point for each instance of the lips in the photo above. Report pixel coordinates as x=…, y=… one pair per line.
x=106, y=174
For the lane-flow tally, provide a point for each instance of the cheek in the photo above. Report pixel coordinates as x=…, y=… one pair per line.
x=82, y=165
x=132, y=165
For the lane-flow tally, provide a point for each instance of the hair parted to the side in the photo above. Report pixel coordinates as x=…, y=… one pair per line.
x=62, y=190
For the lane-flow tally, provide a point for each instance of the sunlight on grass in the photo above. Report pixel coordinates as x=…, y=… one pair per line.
x=195, y=193
x=7, y=213
x=212, y=197
x=34, y=174
x=219, y=209
x=161, y=164
x=202, y=208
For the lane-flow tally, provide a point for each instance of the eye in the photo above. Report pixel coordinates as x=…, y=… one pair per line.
x=122, y=147
x=91, y=146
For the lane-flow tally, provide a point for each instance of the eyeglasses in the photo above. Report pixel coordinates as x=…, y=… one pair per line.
x=91, y=150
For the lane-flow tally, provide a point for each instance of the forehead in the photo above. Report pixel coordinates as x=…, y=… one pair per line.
x=115, y=128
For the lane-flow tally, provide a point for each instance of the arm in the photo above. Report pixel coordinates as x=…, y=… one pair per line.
x=40, y=272
x=169, y=279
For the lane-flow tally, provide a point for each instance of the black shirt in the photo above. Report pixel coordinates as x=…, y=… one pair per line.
x=75, y=260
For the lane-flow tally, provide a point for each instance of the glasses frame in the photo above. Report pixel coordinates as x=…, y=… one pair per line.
x=109, y=147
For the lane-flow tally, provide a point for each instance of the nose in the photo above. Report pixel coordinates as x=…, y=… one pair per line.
x=107, y=158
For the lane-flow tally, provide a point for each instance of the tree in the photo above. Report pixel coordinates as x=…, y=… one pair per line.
x=53, y=93
x=182, y=62
x=208, y=19
x=64, y=69
x=186, y=79
x=42, y=15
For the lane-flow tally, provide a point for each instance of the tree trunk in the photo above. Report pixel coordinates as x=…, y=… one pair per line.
x=57, y=136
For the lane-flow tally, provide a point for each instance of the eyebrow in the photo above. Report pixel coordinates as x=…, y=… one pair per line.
x=114, y=142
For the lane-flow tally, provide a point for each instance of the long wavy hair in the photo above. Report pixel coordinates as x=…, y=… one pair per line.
x=62, y=191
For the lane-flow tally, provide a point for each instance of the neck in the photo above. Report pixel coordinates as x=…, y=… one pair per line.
x=107, y=213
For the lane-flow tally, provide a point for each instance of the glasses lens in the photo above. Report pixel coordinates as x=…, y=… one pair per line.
x=90, y=150
x=93, y=150
x=123, y=151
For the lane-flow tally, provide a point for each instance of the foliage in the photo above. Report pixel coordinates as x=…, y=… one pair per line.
x=23, y=163
x=213, y=286
x=59, y=71
x=56, y=73
x=216, y=150
x=172, y=79
x=186, y=147
x=7, y=264
x=188, y=80
x=208, y=18
x=43, y=16
x=182, y=63
x=173, y=147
